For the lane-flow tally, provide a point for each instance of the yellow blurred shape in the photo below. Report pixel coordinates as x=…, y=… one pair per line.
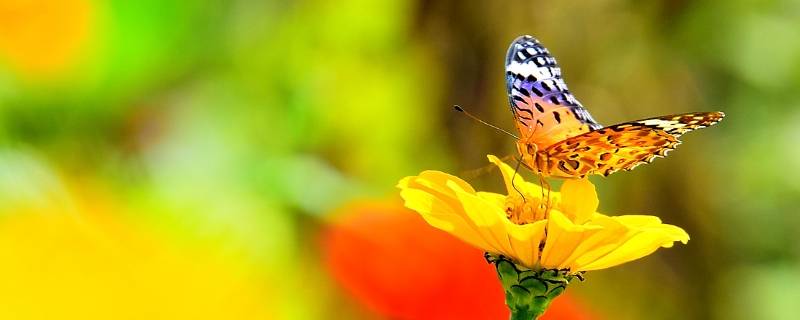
x=42, y=38
x=87, y=262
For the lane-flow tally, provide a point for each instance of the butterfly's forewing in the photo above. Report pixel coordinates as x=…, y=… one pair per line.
x=622, y=146
x=544, y=109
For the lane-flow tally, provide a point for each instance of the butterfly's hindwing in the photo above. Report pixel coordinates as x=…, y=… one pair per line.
x=622, y=146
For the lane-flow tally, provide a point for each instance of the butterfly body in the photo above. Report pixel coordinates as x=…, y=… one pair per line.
x=558, y=136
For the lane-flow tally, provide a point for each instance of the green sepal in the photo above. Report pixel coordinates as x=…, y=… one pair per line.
x=529, y=292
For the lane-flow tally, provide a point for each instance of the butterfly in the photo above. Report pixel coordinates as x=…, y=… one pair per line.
x=559, y=138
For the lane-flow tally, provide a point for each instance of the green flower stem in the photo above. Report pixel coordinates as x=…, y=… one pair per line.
x=528, y=292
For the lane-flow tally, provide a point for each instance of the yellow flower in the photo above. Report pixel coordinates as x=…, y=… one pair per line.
x=571, y=235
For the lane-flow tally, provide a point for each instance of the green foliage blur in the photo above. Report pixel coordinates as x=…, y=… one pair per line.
x=240, y=126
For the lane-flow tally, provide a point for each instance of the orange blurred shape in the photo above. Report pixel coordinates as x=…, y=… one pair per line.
x=42, y=38
x=82, y=260
x=390, y=260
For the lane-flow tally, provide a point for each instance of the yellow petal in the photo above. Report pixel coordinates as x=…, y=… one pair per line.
x=642, y=238
x=439, y=206
x=442, y=178
x=488, y=219
x=640, y=245
x=563, y=236
x=676, y=233
x=525, y=241
x=440, y=215
x=497, y=199
x=638, y=220
x=578, y=199
x=653, y=223
x=434, y=182
x=529, y=189
x=613, y=233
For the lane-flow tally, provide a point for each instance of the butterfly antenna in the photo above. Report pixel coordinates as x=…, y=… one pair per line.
x=460, y=109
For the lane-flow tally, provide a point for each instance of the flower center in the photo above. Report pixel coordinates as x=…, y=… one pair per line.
x=525, y=211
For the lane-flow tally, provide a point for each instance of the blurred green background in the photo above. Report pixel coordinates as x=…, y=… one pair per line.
x=236, y=128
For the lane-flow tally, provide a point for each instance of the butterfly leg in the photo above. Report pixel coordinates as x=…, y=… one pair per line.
x=548, y=204
x=514, y=178
x=545, y=194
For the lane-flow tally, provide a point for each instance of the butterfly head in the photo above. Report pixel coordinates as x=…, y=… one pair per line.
x=528, y=151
